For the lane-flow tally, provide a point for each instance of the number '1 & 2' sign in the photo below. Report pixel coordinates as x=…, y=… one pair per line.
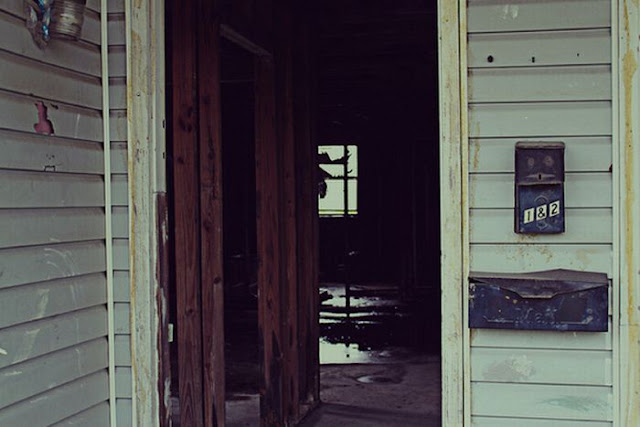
x=541, y=212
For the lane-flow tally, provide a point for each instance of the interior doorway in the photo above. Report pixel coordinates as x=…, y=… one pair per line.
x=378, y=155
x=240, y=252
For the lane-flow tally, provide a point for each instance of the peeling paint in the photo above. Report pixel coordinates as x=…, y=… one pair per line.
x=44, y=125
x=510, y=11
x=3, y=352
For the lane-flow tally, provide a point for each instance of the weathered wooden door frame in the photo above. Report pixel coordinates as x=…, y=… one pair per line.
x=196, y=162
x=453, y=207
x=145, y=50
x=145, y=89
x=626, y=60
x=145, y=64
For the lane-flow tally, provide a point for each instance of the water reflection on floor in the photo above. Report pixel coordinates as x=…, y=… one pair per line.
x=377, y=326
x=380, y=347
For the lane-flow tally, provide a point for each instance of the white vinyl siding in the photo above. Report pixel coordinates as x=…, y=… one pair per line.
x=53, y=273
x=54, y=317
x=540, y=70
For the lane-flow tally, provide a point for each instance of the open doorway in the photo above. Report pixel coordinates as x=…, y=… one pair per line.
x=254, y=233
x=239, y=250
x=379, y=235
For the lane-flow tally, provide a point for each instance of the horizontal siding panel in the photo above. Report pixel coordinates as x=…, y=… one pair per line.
x=119, y=158
x=41, y=263
x=50, y=190
x=527, y=15
x=539, y=48
x=117, y=61
x=122, y=350
x=520, y=257
x=58, y=404
x=55, y=84
x=30, y=227
x=94, y=5
x=582, y=190
x=125, y=412
x=119, y=190
x=91, y=29
x=542, y=401
x=540, y=119
x=36, y=152
x=583, y=83
x=576, y=367
x=115, y=6
x=27, y=303
x=582, y=154
x=120, y=218
x=121, y=286
x=36, y=376
x=582, y=226
x=121, y=316
x=118, y=125
x=530, y=422
x=30, y=340
x=123, y=382
x=118, y=93
x=18, y=112
x=116, y=29
x=120, y=254
x=96, y=416
x=80, y=57
x=541, y=339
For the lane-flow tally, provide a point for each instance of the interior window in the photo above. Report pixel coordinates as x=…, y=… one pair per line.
x=338, y=180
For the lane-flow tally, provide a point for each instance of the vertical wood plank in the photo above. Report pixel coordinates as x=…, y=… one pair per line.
x=210, y=186
x=314, y=251
x=289, y=290
x=306, y=186
x=268, y=244
x=186, y=210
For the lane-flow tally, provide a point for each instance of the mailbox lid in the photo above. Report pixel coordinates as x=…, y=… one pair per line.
x=539, y=162
x=564, y=300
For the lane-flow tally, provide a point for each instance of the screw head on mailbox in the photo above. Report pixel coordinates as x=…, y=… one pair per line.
x=539, y=187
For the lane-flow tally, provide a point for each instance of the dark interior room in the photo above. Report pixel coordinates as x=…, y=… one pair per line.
x=368, y=106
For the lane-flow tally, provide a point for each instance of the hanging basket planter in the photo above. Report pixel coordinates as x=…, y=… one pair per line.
x=67, y=17
x=60, y=19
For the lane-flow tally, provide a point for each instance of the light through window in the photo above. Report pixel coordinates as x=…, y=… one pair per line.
x=338, y=180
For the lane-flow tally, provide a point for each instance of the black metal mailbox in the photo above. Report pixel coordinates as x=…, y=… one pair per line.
x=539, y=187
x=559, y=300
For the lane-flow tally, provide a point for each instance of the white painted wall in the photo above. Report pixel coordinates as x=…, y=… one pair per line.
x=54, y=268
x=549, y=78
